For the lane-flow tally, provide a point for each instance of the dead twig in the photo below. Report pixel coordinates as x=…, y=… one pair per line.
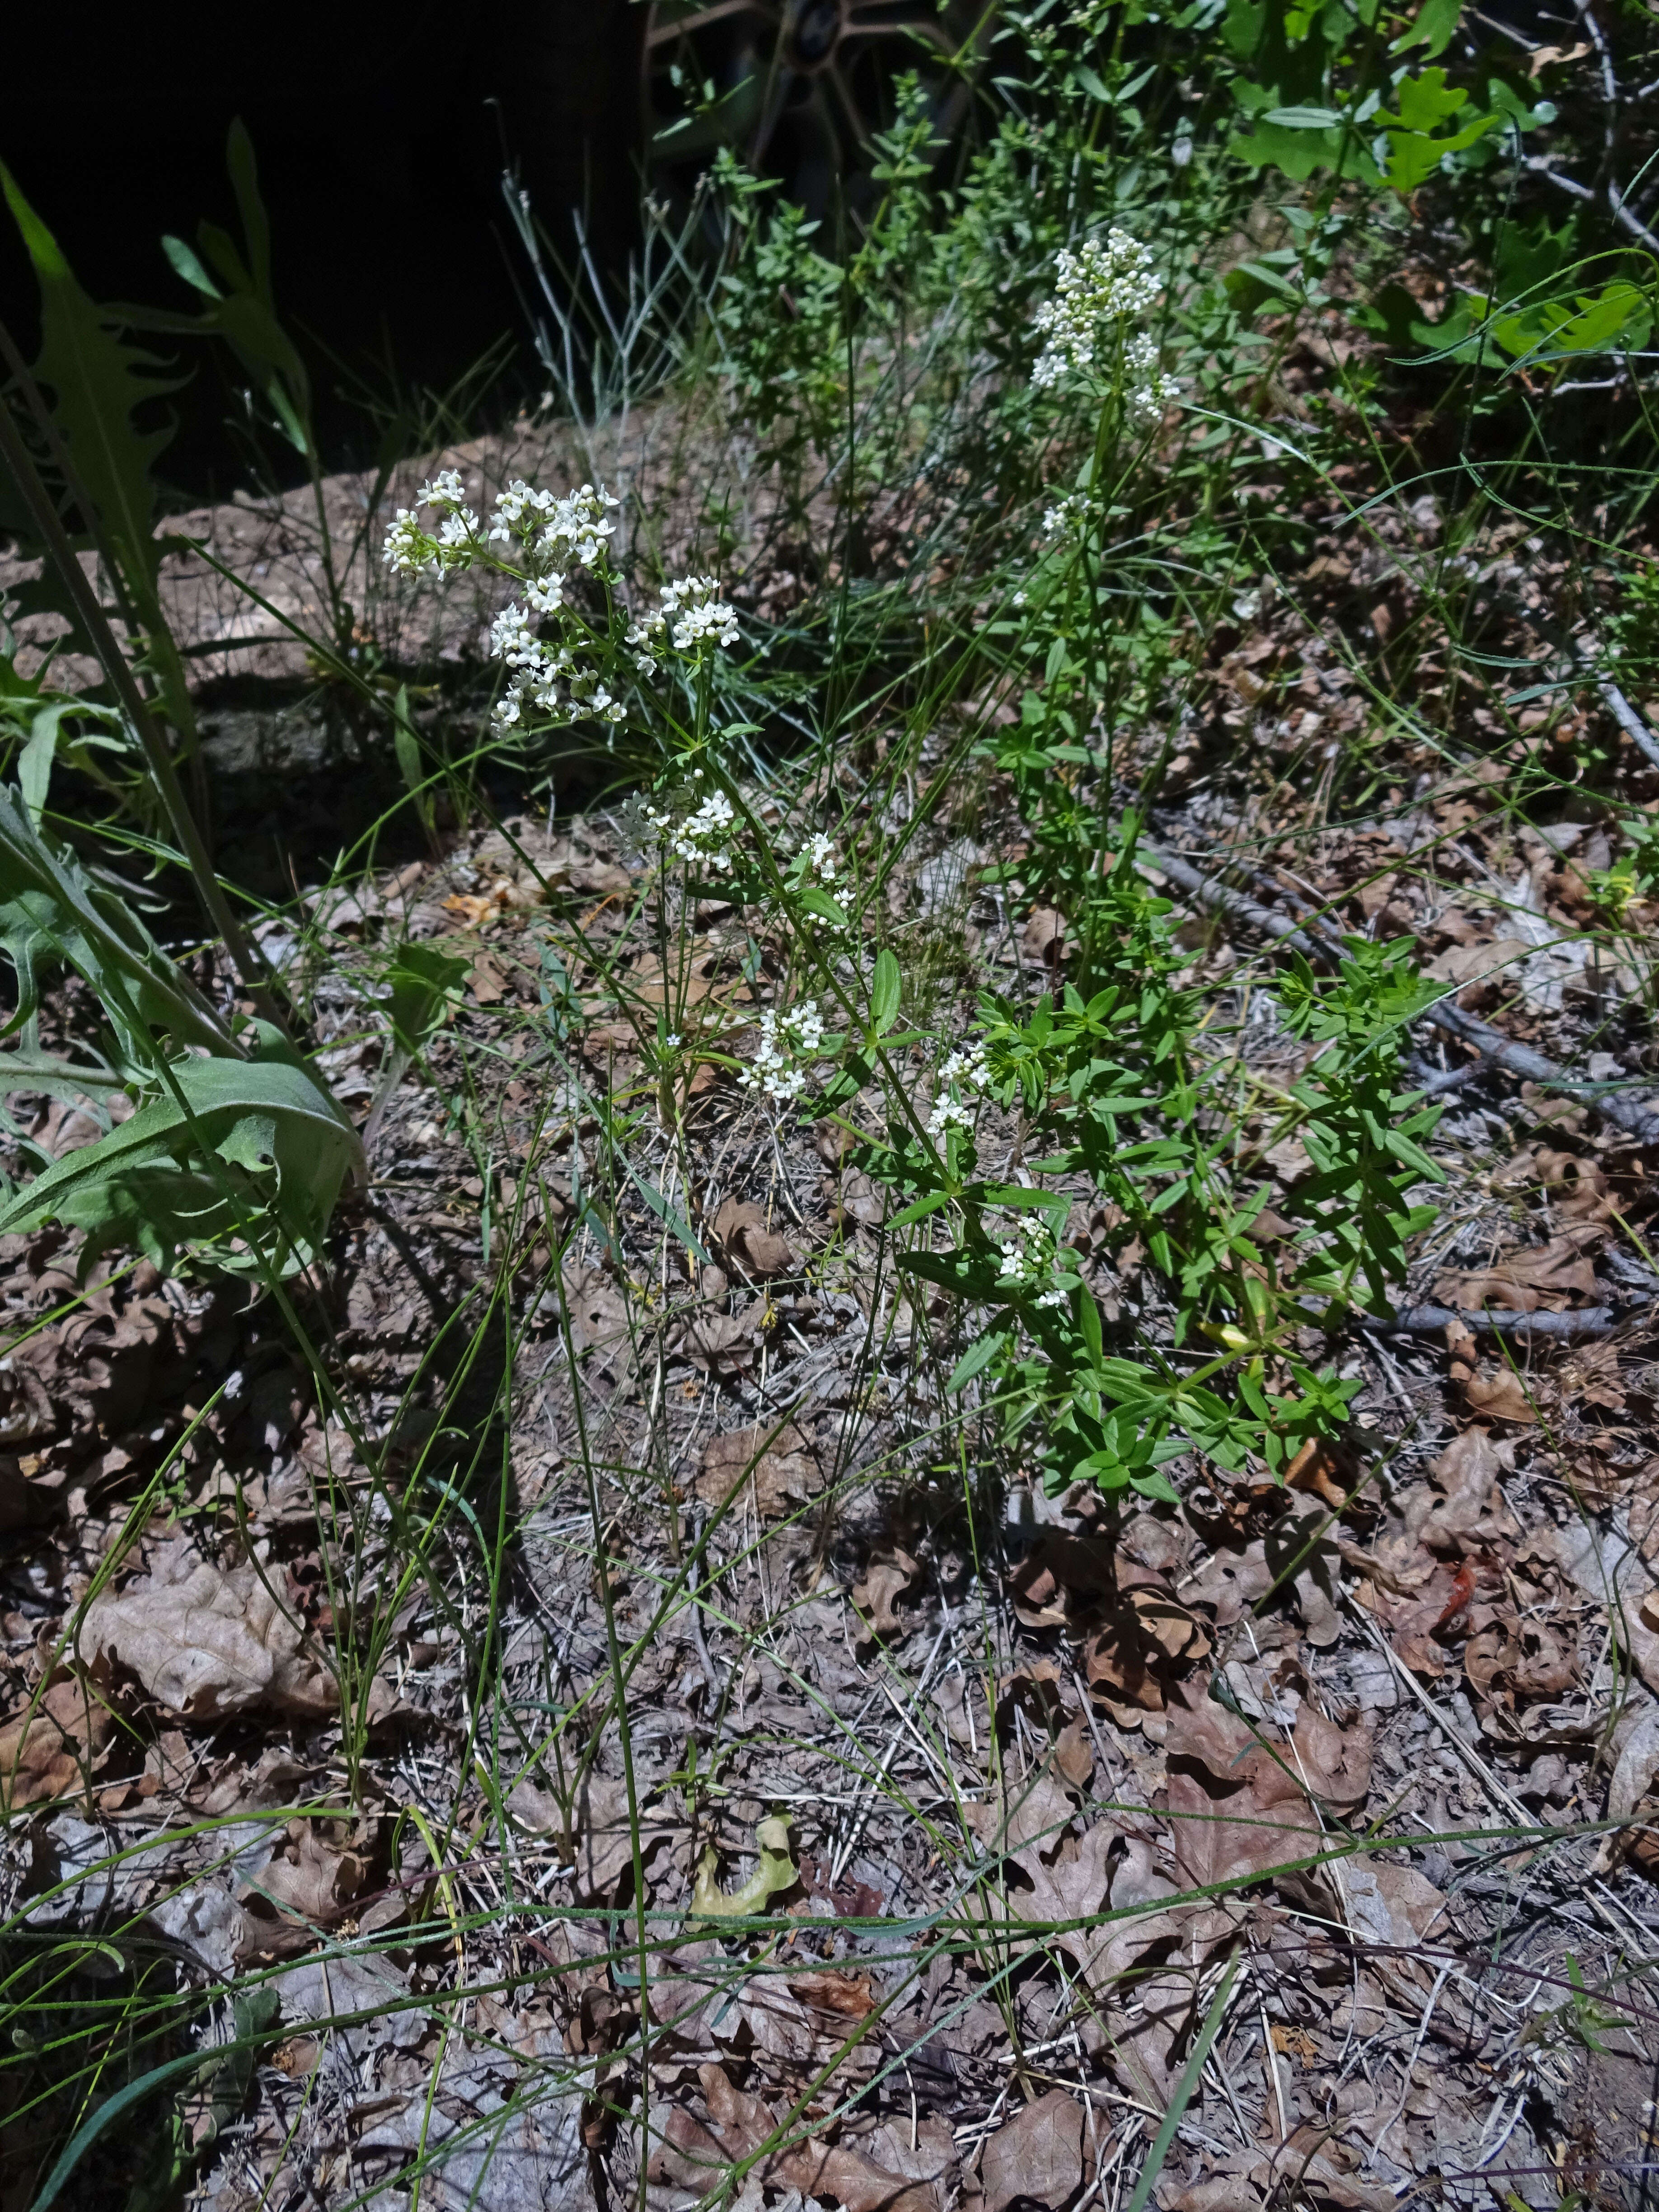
x=1634, y=1116
x=1572, y=1326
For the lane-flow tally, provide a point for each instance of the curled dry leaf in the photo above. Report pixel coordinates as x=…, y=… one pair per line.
x=1500, y=1394
x=602, y=1843
x=722, y=1343
x=1456, y=1515
x=1508, y=1657
x=1231, y=1581
x=860, y=1199
x=1057, y=1884
x=1334, y=1763
x=53, y=1750
x=1037, y=1813
x=1638, y=1766
x=773, y=1467
x=1325, y=1469
x=777, y=2022
x=826, y=1989
x=1313, y=2167
x=885, y=1582
x=1037, y=2154
x=1578, y=1188
x=598, y=1313
x=308, y=1886
x=1547, y=1278
x=1394, y=1905
x=741, y=1230
x=1062, y=1573
x=206, y=1641
x=1044, y=937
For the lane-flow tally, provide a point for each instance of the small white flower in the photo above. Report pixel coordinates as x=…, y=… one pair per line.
x=513, y=639
x=702, y=837
x=1028, y=1255
x=544, y=594
x=948, y=1114
x=1070, y=516
x=446, y=489
x=407, y=550
x=547, y=530
x=819, y=852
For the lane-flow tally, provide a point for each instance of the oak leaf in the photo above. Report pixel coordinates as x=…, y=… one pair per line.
x=773, y=1466
x=1038, y=2153
x=51, y=1750
x=206, y=1641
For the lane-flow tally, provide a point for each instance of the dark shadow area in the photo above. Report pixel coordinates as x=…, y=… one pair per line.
x=380, y=135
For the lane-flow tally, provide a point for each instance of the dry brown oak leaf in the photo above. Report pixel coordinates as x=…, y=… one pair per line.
x=744, y=1234
x=1547, y=1278
x=1240, y=1808
x=695, y=2156
x=205, y=1641
x=773, y=1467
x=597, y=1831
x=307, y=1887
x=883, y=1583
x=1038, y=2153
x=51, y=1751
x=1063, y=1880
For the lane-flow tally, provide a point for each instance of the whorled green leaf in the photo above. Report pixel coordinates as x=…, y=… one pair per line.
x=885, y=990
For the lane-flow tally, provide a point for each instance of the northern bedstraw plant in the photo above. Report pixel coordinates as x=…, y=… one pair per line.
x=1014, y=545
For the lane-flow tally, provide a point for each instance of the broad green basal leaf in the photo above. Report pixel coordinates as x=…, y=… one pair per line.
x=249, y=1174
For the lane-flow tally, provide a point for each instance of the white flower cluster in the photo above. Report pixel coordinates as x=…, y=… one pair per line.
x=1147, y=389
x=789, y=1042
x=964, y=1070
x=1070, y=516
x=703, y=837
x=1028, y=1258
x=412, y=550
x=1098, y=290
x=814, y=860
x=548, y=532
x=694, y=615
x=538, y=670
